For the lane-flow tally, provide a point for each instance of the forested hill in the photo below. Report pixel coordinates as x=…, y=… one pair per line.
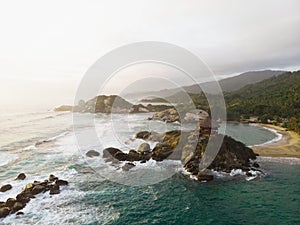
x=275, y=98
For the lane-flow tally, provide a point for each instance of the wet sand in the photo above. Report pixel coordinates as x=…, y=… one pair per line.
x=287, y=146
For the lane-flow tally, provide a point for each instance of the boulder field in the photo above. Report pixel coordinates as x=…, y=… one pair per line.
x=14, y=205
x=189, y=147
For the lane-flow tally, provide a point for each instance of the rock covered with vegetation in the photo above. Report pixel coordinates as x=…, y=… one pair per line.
x=111, y=104
x=171, y=115
x=274, y=100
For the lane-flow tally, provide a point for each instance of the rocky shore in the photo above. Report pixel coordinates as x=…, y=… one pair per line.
x=189, y=147
x=15, y=205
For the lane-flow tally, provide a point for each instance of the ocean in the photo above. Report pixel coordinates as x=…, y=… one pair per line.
x=43, y=143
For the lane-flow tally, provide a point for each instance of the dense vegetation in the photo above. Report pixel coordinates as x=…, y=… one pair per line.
x=159, y=100
x=274, y=100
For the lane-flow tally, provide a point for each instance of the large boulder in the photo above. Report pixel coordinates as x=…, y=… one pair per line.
x=110, y=152
x=121, y=156
x=37, y=189
x=134, y=156
x=54, y=189
x=10, y=202
x=4, y=211
x=5, y=188
x=17, y=206
x=21, y=176
x=61, y=182
x=23, y=198
x=144, y=148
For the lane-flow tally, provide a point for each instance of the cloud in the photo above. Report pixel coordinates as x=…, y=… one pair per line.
x=41, y=39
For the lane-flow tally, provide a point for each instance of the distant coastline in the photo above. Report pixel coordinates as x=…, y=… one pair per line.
x=287, y=146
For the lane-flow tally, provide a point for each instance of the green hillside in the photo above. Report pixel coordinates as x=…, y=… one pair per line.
x=276, y=98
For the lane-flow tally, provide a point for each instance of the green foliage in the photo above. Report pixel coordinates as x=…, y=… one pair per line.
x=159, y=100
x=274, y=99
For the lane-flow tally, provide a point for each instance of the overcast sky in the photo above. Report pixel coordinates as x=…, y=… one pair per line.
x=46, y=47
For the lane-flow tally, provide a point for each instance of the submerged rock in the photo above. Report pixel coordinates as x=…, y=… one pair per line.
x=5, y=188
x=92, y=153
x=128, y=166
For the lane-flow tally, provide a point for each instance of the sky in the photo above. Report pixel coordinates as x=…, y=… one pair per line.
x=47, y=46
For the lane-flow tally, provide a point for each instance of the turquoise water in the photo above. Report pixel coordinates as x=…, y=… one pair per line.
x=89, y=199
x=249, y=134
x=272, y=199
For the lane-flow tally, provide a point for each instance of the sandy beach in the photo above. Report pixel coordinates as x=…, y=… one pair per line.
x=287, y=146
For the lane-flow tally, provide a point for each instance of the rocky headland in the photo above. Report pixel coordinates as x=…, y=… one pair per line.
x=111, y=104
x=189, y=147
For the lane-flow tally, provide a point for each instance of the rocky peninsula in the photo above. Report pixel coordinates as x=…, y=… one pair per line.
x=111, y=104
x=189, y=147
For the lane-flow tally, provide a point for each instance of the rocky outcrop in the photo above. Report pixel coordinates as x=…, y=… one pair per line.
x=111, y=104
x=189, y=147
x=171, y=115
x=13, y=205
x=139, y=109
x=64, y=108
x=104, y=104
x=195, y=115
x=168, y=115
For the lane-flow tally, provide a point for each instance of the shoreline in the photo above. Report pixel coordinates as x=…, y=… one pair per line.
x=287, y=146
